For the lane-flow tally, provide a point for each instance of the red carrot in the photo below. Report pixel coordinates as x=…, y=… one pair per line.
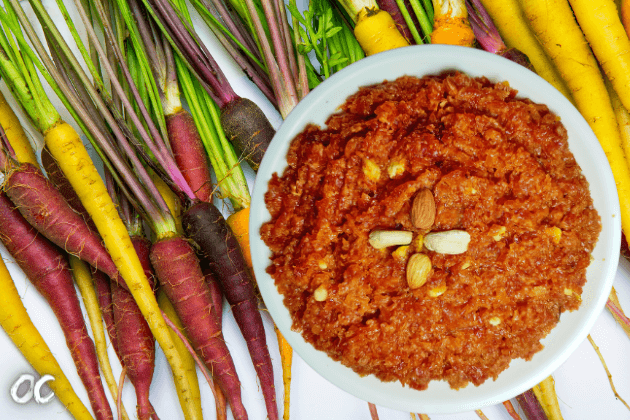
x=102, y=285
x=47, y=268
x=189, y=153
x=59, y=180
x=217, y=308
x=530, y=405
x=204, y=224
x=177, y=269
x=45, y=209
x=135, y=341
x=391, y=7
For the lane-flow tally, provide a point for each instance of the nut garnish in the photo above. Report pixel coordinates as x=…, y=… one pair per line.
x=437, y=291
x=498, y=233
x=320, y=293
x=447, y=242
x=555, y=233
x=423, y=209
x=380, y=239
x=401, y=253
x=495, y=320
x=371, y=170
x=396, y=169
x=419, y=268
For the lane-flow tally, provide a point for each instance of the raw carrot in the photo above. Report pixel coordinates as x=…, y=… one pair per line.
x=84, y=280
x=102, y=285
x=286, y=356
x=624, y=12
x=135, y=341
x=15, y=133
x=75, y=162
x=607, y=37
x=189, y=153
x=239, y=223
x=623, y=120
x=177, y=269
x=205, y=225
x=516, y=32
x=531, y=406
x=555, y=26
x=376, y=32
x=47, y=268
x=510, y=409
x=188, y=361
x=45, y=209
x=450, y=23
x=59, y=180
x=18, y=325
x=391, y=7
x=545, y=393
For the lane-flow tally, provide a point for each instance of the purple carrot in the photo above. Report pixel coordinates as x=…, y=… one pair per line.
x=47, y=268
x=391, y=7
x=177, y=269
x=205, y=225
x=531, y=406
x=45, y=208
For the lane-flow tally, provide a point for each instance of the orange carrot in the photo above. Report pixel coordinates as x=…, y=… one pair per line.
x=450, y=24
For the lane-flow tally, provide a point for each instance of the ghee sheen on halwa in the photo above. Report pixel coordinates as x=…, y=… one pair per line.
x=499, y=167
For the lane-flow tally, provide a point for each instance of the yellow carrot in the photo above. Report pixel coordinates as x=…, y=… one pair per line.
x=66, y=147
x=546, y=394
x=623, y=120
x=450, y=23
x=286, y=354
x=83, y=278
x=239, y=223
x=172, y=201
x=375, y=29
x=562, y=39
x=18, y=325
x=189, y=363
x=15, y=133
x=605, y=33
x=516, y=33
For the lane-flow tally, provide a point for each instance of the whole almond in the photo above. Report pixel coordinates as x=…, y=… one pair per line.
x=419, y=268
x=423, y=210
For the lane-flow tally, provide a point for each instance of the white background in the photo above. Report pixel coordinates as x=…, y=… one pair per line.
x=581, y=382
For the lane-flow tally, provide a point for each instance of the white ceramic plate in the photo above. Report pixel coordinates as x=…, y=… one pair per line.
x=573, y=328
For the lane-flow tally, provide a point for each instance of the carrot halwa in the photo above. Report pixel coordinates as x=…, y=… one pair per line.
x=498, y=168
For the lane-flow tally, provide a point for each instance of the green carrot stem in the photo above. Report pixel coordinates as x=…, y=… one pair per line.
x=426, y=23
x=409, y=21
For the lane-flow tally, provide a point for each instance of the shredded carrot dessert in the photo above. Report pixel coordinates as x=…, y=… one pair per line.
x=436, y=229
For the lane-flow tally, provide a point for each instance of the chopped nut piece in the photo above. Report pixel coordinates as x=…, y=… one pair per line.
x=423, y=209
x=555, y=234
x=371, y=170
x=498, y=233
x=437, y=291
x=396, y=169
x=419, y=242
x=322, y=264
x=465, y=265
x=448, y=242
x=401, y=253
x=568, y=291
x=494, y=321
x=419, y=268
x=320, y=294
x=380, y=239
